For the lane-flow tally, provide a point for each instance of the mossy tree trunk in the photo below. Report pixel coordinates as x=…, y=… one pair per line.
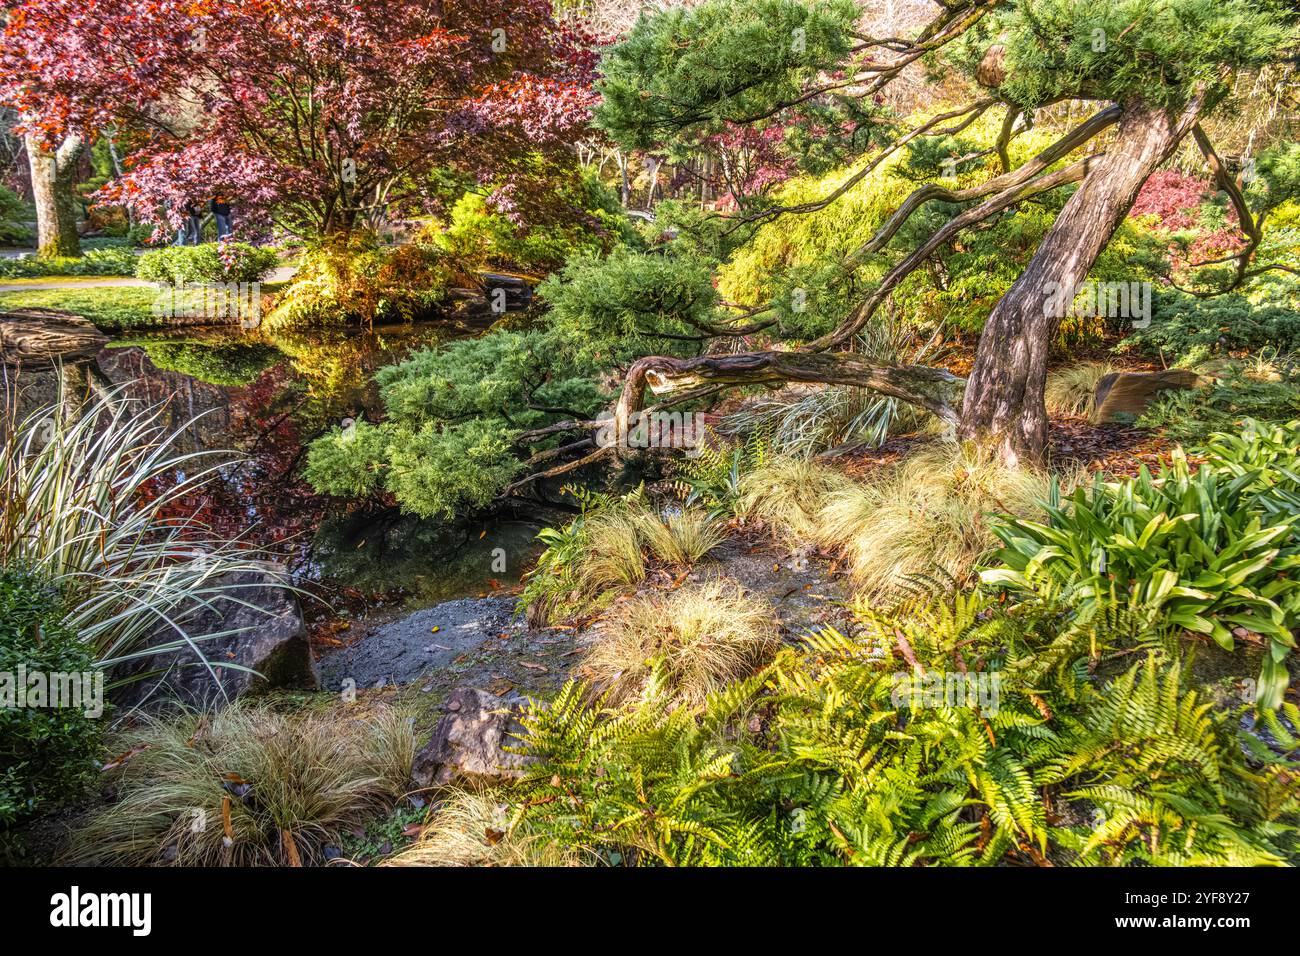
x=53, y=178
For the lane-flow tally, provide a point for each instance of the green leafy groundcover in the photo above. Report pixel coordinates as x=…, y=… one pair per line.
x=1018, y=730
x=821, y=759
x=1213, y=551
x=46, y=753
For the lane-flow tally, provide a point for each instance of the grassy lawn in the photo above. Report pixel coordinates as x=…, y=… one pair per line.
x=111, y=308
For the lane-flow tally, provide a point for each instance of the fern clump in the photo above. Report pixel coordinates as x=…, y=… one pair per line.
x=854, y=749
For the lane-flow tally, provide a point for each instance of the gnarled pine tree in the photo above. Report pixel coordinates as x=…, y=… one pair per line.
x=1156, y=69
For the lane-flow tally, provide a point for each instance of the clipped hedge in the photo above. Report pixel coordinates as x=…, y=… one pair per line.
x=210, y=262
x=108, y=261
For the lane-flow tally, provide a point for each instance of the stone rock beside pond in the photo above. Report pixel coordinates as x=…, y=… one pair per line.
x=1125, y=395
x=269, y=637
x=45, y=336
x=469, y=743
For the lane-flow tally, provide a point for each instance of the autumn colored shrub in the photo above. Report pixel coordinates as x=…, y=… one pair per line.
x=360, y=281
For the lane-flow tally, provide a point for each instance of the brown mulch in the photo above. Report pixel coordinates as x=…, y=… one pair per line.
x=860, y=461
x=1118, y=450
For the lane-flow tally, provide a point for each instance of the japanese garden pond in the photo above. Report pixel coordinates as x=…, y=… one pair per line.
x=265, y=397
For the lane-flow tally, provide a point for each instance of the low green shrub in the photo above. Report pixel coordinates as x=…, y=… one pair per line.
x=109, y=261
x=633, y=303
x=1195, y=548
x=14, y=216
x=47, y=754
x=1183, y=327
x=455, y=418
x=209, y=262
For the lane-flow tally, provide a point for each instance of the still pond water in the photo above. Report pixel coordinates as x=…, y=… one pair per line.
x=266, y=398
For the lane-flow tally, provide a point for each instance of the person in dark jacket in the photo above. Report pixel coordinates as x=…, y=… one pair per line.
x=221, y=211
x=191, y=231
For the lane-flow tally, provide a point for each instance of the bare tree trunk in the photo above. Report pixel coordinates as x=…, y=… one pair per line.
x=53, y=176
x=1003, y=406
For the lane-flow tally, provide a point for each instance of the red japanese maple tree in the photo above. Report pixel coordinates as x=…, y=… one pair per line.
x=313, y=115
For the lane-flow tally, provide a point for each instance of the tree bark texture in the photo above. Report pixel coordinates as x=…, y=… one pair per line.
x=53, y=178
x=1003, y=406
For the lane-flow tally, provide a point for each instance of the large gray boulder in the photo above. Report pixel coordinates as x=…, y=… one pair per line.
x=469, y=743
x=269, y=638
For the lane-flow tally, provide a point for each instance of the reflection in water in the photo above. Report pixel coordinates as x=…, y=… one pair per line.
x=267, y=396
x=327, y=374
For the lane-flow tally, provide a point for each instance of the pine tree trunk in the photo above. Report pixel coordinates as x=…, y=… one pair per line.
x=53, y=178
x=1003, y=405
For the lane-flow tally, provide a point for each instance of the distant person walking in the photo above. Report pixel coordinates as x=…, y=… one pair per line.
x=221, y=212
x=191, y=231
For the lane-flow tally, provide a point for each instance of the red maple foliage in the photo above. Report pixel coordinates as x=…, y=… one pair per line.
x=308, y=114
x=1175, y=200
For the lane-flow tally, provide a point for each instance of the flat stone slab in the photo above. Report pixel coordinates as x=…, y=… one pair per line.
x=1125, y=395
x=410, y=648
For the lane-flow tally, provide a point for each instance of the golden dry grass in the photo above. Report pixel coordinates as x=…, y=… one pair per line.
x=1070, y=390
x=927, y=514
x=681, y=537
x=786, y=494
x=700, y=636
x=474, y=828
x=288, y=784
